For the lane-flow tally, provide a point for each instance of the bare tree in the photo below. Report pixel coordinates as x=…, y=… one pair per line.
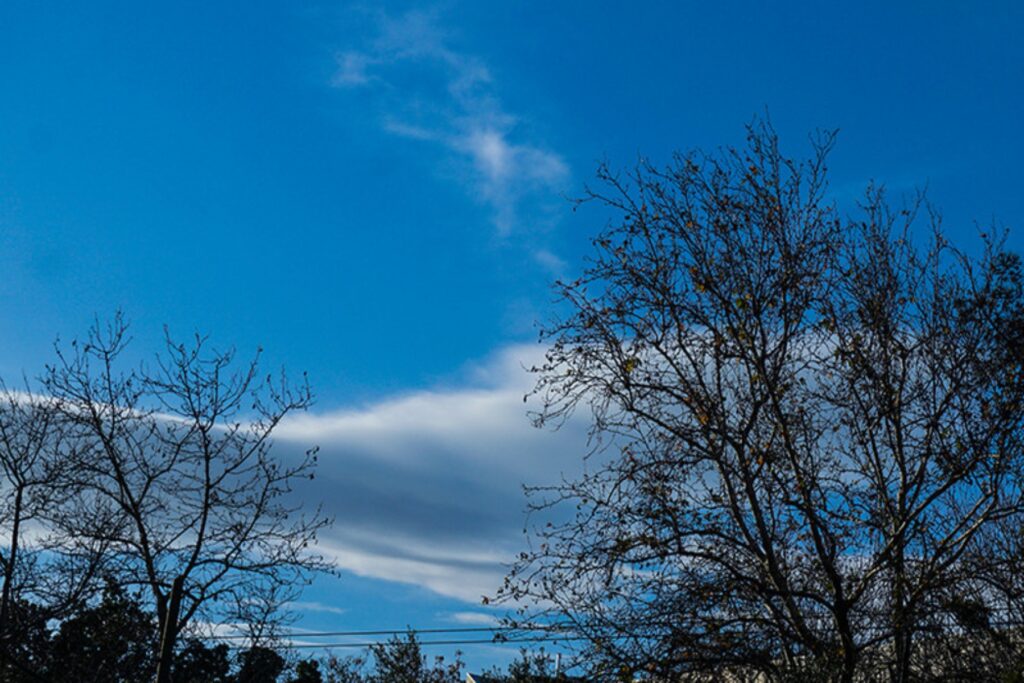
x=176, y=460
x=807, y=428
x=47, y=569
x=31, y=478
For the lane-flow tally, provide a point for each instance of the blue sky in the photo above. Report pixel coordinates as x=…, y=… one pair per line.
x=375, y=193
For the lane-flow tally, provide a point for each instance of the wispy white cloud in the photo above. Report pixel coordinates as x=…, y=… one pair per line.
x=473, y=618
x=313, y=606
x=351, y=71
x=554, y=264
x=428, y=91
x=426, y=488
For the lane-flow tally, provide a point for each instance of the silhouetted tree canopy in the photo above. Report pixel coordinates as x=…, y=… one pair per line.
x=260, y=665
x=149, y=476
x=401, y=659
x=807, y=432
x=199, y=663
x=112, y=642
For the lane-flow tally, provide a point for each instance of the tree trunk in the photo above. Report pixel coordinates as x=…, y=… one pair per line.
x=5, y=599
x=169, y=633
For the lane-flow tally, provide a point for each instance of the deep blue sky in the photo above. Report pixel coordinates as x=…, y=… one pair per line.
x=376, y=195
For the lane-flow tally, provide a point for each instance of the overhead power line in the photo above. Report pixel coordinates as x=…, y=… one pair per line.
x=481, y=641
x=395, y=632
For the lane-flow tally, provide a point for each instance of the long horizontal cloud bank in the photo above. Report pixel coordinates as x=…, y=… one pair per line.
x=427, y=488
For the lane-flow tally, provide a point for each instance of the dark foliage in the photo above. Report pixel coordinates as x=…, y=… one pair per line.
x=113, y=641
x=108, y=643
x=537, y=667
x=401, y=660
x=307, y=671
x=259, y=665
x=199, y=663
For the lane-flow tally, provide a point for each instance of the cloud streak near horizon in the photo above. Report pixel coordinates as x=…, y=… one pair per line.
x=426, y=487
x=427, y=91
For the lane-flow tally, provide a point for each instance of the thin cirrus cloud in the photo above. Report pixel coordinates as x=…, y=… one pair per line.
x=473, y=618
x=426, y=487
x=313, y=606
x=425, y=90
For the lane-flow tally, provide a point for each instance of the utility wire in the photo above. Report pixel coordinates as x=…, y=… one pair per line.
x=382, y=632
x=392, y=632
x=482, y=641
x=552, y=636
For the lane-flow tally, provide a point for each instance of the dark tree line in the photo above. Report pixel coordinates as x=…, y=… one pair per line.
x=807, y=432
x=154, y=481
x=401, y=660
x=110, y=640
